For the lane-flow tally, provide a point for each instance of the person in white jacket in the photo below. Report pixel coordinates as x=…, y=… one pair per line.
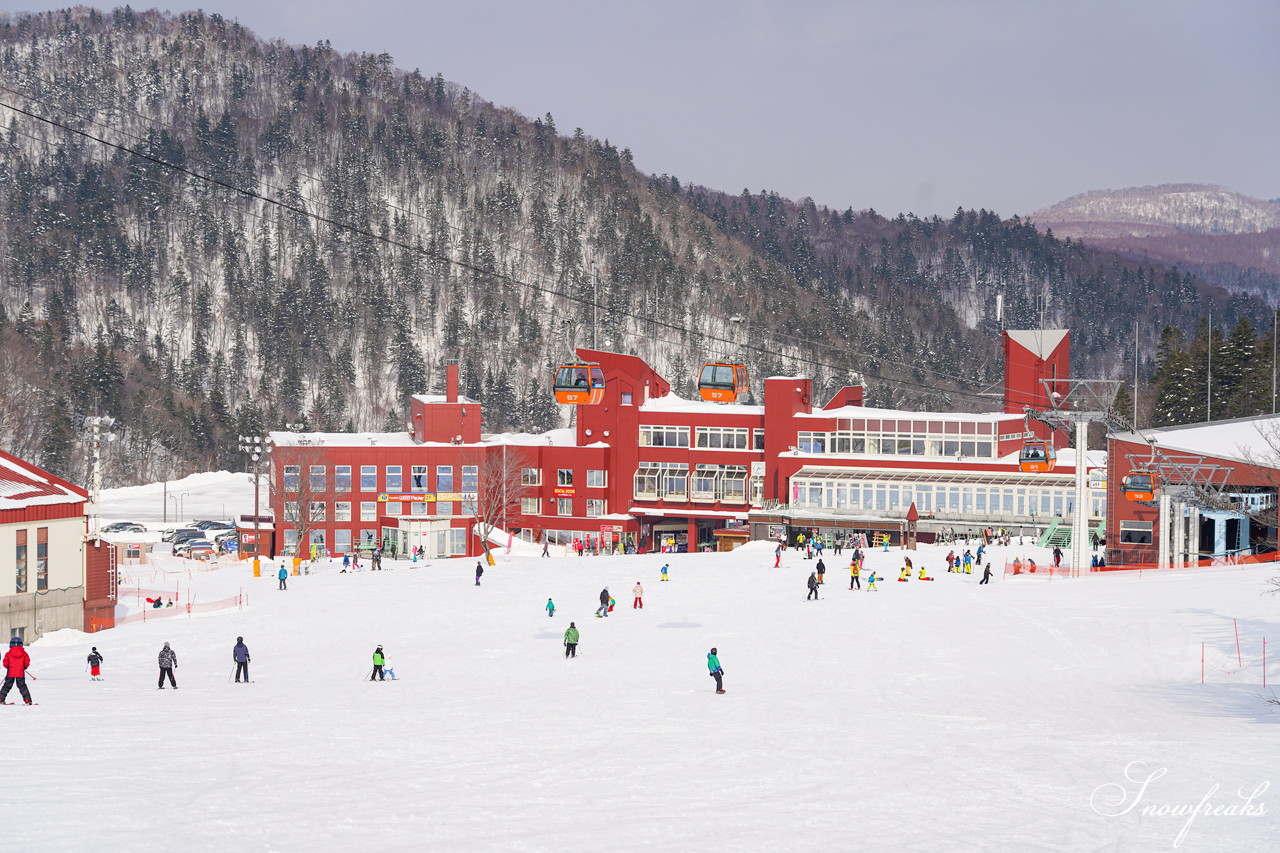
x=638, y=592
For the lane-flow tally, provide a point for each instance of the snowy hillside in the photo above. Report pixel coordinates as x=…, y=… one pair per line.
x=1164, y=209
x=923, y=716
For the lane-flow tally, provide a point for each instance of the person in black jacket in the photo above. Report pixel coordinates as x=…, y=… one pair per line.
x=813, y=587
x=168, y=663
x=95, y=662
x=604, y=603
x=479, y=572
x=240, y=654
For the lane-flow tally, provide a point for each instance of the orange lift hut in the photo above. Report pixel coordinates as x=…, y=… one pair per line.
x=721, y=382
x=579, y=384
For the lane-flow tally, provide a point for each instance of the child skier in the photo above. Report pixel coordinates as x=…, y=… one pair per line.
x=664, y=571
x=551, y=608
x=571, y=641
x=612, y=602
x=479, y=572
x=638, y=592
x=871, y=582
x=16, y=662
x=95, y=665
x=853, y=574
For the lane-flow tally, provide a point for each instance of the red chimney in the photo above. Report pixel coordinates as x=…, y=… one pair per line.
x=451, y=383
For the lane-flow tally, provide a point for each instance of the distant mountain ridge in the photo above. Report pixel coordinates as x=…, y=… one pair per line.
x=1158, y=211
x=1225, y=237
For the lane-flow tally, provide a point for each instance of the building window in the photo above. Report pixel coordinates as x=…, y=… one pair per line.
x=457, y=540
x=664, y=436
x=368, y=478
x=291, y=512
x=444, y=507
x=665, y=480
x=564, y=477
x=529, y=506
x=341, y=541
x=291, y=540
x=42, y=558
x=292, y=476
x=626, y=398
x=444, y=478
x=811, y=442
x=342, y=478
x=531, y=476
x=21, y=559
x=418, y=478
x=728, y=438
x=595, y=479
x=733, y=484
x=317, y=479
x=394, y=508
x=757, y=439
x=564, y=506
x=595, y=508
x=470, y=478
x=319, y=511
x=395, y=481
x=368, y=510
x=342, y=510
x=418, y=508
x=368, y=538
x=1135, y=533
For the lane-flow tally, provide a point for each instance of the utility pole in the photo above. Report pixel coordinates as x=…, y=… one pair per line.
x=256, y=448
x=96, y=425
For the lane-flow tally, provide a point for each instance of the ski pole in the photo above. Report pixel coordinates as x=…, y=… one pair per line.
x=232, y=673
x=368, y=675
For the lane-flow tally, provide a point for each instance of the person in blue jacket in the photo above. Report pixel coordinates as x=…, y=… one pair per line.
x=717, y=671
x=240, y=654
x=283, y=574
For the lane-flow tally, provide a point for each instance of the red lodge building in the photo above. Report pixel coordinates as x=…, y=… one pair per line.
x=648, y=470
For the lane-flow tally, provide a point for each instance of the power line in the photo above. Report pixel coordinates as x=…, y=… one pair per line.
x=462, y=264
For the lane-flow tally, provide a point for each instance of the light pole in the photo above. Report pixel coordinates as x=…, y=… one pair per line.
x=256, y=448
x=96, y=425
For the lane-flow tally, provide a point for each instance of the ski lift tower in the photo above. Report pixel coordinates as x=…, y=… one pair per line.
x=1187, y=483
x=1078, y=402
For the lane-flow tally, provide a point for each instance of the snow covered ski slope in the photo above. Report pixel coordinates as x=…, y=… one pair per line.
x=942, y=716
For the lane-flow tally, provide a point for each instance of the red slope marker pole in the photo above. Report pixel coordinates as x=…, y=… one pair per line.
x=1239, y=660
x=1264, y=661
x=1202, y=662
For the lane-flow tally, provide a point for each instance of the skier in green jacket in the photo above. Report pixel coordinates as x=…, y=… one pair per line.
x=551, y=607
x=378, y=662
x=571, y=641
x=717, y=671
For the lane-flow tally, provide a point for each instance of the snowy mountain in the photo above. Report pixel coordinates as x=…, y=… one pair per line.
x=208, y=234
x=1157, y=211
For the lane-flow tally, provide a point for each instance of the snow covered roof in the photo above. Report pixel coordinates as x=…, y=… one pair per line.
x=676, y=403
x=555, y=437
x=342, y=439
x=1255, y=439
x=870, y=412
x=441, y=398
x=24, y=485
x=1040, y=342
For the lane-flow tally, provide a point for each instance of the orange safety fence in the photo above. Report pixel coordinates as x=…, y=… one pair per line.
x=1027, y=567
x=1211, y=563
x=149, y=613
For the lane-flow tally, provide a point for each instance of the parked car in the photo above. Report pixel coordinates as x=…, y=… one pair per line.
x=124, y=527
x=214, y=525
x=197, y=551
x=173, y=534
x=224, y=536
x=184, y=548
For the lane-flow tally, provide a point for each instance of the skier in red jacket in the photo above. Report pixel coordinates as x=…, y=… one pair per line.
x=15, y=669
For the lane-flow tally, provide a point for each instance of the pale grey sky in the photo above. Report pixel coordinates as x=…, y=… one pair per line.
x=899, y=105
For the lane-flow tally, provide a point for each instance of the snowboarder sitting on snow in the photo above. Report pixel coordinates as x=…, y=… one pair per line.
x=551, y=608
x=95, y=664
x=157, y=603
x=904, y=575
x=924, y=575
x=16, y=661
x=813, y=587
x=717, y=671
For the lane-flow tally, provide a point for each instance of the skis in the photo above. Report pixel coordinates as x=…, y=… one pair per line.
x=24, y=703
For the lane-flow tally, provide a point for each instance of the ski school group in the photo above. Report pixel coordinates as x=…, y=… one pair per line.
x=956, y=564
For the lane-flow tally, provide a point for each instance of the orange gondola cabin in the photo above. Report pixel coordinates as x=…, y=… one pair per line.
x=720, y=382
x=1037, y=457
x=579, y=384
x=1139, y=485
